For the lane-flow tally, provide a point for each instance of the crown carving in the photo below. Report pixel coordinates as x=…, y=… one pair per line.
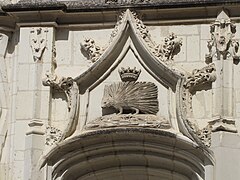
x=129, y=74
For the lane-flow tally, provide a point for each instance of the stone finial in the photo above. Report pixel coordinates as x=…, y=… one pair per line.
x=222, y=42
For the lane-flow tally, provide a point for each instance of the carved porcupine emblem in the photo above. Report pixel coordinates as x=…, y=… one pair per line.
x=138, y=97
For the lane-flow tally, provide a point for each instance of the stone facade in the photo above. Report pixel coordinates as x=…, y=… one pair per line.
x=119, y=90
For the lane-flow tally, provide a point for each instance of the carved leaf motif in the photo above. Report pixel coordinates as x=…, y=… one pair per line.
x=90, y=50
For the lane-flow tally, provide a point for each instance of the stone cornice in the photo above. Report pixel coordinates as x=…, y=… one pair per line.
x=75, y=14
x=87, y=5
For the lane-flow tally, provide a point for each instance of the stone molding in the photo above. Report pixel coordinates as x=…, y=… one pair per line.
x=128, y=120
x=223, y=124
x=151, y=143
x=68, y=4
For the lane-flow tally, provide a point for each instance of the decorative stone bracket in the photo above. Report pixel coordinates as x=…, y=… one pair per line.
x=222, y=42
x=196, y=81
x=200, y=77
x=70, y=89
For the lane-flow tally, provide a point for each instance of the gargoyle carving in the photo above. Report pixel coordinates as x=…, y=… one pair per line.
x=222, y=42
x=38, y=42
x=90, y=50
x=200, y=77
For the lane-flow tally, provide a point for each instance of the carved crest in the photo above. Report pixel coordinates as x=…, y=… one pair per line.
x=138, y=97
x=128, y=74
x=38, y=42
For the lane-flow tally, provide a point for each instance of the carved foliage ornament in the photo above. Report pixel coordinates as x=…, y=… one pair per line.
x=90, y=50
x=194, y=82
x=164, y=51
x=38, y=42
x=222, y=42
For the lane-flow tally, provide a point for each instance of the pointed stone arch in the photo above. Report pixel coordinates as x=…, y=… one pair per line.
x=127, y=29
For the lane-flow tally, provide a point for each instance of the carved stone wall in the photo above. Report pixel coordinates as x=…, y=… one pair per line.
x=122, y=78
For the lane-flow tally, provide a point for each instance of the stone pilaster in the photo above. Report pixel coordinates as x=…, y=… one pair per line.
x=4, y=100
x=32, y=100
x=223, y=51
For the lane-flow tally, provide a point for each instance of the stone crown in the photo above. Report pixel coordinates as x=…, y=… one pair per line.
x=129, y=74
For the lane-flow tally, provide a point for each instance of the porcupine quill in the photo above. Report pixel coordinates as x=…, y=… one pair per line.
x=138, y=96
